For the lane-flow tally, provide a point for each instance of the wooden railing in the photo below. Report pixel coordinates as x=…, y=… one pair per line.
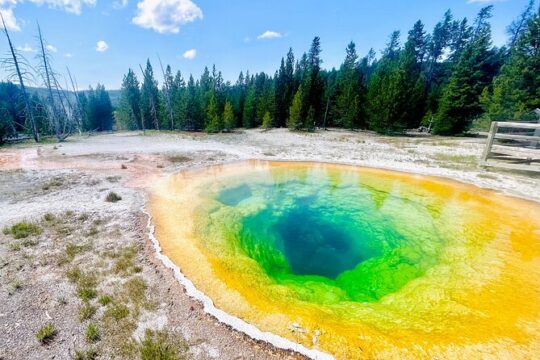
x=505, y=156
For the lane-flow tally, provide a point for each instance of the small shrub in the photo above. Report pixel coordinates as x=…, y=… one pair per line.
x=92, y=333
x=86, y=293
x=16, y=284
x=123, y=167
x=74, y=274
x=135, y=289
x=90, y=354
x=117, y=312
x=23, y=230
x=113, y=197
x=48, y=217
x=125, y=260
x=160, y=345
x=105, y=300
x=46, y=333
x=86, y=312
x=15, y=246
x=179, y=159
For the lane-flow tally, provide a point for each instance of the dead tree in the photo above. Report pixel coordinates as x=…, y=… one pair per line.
x=59, y=114
x=168, y=99
x=80, y=109
x=15, y=64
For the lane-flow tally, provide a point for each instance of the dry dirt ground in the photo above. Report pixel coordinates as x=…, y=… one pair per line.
x=85, y=265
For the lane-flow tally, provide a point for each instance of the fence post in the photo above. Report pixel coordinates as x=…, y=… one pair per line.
x=490, y=140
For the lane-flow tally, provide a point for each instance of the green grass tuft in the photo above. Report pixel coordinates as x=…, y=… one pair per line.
x=23, y=230
x=105, y=300
x=161, y=346
x=46, y=333
x=86, y=312
x=92, y=333
x=113, y=197
x=90, y=354
x=117, y=312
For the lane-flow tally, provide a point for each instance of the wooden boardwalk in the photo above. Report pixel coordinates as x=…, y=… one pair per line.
x=516, y=147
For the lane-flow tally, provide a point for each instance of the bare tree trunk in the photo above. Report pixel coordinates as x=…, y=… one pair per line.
x=167, y=96
x=79, y=105
x=29, y=111
x=60, y=118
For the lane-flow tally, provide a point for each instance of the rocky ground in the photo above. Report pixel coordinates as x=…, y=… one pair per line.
x=78, y=274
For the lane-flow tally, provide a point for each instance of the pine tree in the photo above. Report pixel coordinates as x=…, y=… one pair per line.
x=129, y=112
x=351, y=91
x=150, y=100
x=516, y=91
x=295, y=121
x=229, y=120
x=460, y=102
x=267, y=121
x=214, y=122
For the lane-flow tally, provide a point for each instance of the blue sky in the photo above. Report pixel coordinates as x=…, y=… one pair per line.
x=99, y=40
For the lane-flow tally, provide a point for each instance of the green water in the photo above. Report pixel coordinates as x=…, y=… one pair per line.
x=329, y=237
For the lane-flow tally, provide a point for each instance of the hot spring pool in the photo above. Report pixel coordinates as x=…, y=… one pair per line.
x=358, y=262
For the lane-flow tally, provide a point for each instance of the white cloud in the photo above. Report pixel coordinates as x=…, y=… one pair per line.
x=190, y=54
x=26, y=48
x=166, y=16
x=102, y=46
x=269, y=35
x=52, y=48
x=68, y=55
x=9, y=17
x=71, y=6
x=120, y=4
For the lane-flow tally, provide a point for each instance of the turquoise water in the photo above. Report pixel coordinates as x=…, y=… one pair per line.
x=331, y=238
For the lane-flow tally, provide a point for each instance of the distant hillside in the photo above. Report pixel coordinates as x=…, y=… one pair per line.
x=42, y=92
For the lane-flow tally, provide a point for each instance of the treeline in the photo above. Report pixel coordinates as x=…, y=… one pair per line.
x=96, y=111
x=443, y=80
x=52, y=109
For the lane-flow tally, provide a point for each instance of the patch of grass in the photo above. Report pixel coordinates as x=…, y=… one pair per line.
x=16, y=284
x=74, y=274
x=161, y=345
x=117, y=312
x=179, y=159
x=23, y=230
x=135, y=289
x=72, y=250
x=83, y=217
x=15, y=246
x=113, y=179
x=113, y=197
x=105, y=300
x=50, y=218
x=90, y=354
x=487, y=176
x=62, y=301
x=53, y=183
x=92, y=333
x=86, y=312
x=93, y=231
x=125, y=260
x=465, y=159
x=46, y=333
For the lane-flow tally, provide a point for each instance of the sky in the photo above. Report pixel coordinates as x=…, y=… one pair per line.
x=99, y=40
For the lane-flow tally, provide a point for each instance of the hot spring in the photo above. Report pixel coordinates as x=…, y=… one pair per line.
x=356, y=262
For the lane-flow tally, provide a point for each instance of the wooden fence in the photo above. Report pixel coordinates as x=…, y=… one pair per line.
x=516, y=148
